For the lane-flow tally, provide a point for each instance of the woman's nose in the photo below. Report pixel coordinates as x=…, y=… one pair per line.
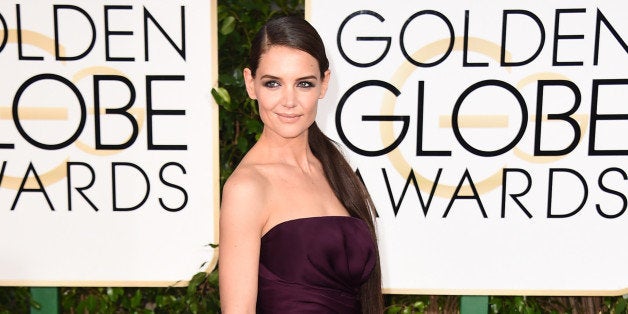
x=290, y=100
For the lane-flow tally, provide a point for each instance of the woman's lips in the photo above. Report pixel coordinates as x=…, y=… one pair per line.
x=288, y=117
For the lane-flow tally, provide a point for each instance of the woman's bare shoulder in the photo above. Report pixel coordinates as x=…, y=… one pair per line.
x=255, y=171
x=245, y=180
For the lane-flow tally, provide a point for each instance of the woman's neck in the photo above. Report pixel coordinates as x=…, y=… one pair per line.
x=291, y=151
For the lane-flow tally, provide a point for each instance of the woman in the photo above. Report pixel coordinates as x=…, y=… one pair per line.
x=296, y=224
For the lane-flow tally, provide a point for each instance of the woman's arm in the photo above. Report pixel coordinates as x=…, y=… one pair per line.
x=242, y=217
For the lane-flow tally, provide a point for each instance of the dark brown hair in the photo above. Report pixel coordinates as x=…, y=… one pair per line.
x=295, y=32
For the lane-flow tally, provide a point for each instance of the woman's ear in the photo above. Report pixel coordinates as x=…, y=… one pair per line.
x=249, y=81
x=324, y=84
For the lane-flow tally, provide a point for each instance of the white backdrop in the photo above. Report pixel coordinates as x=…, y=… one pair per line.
x=491, y=137
x=108, y=142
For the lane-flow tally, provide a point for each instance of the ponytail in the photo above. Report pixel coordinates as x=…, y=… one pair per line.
x=353, y=195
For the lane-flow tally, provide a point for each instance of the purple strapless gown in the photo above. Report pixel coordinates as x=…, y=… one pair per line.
x=314, y=265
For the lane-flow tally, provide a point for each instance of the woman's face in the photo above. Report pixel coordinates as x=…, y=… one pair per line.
x=287, y=87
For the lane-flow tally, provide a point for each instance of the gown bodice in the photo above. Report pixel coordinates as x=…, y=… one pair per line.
x=314, y=265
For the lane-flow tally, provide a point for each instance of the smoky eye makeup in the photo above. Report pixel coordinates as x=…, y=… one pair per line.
x=306, y=84
x=271, y=83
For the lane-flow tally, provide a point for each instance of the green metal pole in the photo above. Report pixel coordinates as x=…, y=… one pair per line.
x=473, y=304
x=47, y=298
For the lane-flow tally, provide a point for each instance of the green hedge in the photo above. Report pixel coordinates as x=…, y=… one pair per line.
x=239, y=128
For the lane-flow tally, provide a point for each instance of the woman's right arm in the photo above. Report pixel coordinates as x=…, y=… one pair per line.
x=242, y=217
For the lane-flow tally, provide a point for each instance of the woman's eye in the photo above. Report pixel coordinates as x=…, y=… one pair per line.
x=305, y=84
x=271, y=84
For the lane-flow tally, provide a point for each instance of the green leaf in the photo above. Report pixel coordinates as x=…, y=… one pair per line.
x=136, y=299
x=254, y=126
x=91, y=304
x=228, y=25
x=213, y=277
x=114, y=293
x=197, y=279
x=194, y=307
x=621, y=306
x=243, y=145
x=36, y=305
x=419, y=305
x=222, y=97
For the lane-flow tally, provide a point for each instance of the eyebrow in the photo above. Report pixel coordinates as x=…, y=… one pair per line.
x=272, y=77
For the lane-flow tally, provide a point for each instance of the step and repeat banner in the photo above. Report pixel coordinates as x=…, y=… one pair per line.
x=108, y=142
x=491, y=136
